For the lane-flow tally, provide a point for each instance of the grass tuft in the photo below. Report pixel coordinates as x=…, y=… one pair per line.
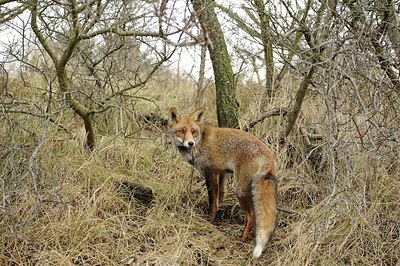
x=343, y=212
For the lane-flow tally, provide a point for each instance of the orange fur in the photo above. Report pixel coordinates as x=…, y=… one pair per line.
x=217, y=152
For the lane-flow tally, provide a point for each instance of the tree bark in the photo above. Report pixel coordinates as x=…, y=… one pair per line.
x=268, y=52
x=392, y=25
x=299, y=98
x=295, y=45
x=60, y=64
x=227, y=109
x=200, y=82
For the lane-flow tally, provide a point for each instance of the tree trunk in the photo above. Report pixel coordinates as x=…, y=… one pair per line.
x=392, y=22
x=60, y=64
x=316, y=57
x=227, y=109
x=200, y=83
x=268, y=53
x=294, y=47
x=78, y=108
x=299, y=98
x=390, y=26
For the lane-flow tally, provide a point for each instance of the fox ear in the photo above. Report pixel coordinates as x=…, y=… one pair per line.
x=199, y=115
x=174, y=115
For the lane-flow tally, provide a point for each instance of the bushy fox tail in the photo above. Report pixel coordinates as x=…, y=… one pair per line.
x=264, y=191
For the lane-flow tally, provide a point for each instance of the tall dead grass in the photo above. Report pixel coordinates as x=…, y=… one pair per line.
x=345, y=212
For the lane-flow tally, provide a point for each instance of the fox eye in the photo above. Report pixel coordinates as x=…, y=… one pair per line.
x=194, y=132
x=181, y=131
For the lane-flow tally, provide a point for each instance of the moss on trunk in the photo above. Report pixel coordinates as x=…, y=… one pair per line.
x=227, y=109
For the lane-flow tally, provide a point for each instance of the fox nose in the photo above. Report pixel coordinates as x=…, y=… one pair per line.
x=191, y=143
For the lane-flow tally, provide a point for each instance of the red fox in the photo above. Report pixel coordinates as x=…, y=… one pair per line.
x=217, y=152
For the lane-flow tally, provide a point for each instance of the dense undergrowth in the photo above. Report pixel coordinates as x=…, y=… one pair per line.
x=339, y=201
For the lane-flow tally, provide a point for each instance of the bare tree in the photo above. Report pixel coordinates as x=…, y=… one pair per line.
x=257, y=15
x=264, y=20
x=227, y=109
x=314, y=38
x=76, y=34
x=200, y=82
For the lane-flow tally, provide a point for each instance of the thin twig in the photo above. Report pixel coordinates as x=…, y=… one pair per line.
x=31, y=167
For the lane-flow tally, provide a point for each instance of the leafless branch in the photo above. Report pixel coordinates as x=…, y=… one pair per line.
x=263, y=116
x=32, y=165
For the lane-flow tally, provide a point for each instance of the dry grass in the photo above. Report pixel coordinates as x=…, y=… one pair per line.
x=347, y=213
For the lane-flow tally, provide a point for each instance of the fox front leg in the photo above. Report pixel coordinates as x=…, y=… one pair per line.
x=212, y=189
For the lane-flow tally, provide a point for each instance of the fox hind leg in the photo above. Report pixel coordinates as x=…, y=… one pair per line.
x=222, y=180
x=246, y=205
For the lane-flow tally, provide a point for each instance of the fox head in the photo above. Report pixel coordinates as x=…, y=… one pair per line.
x=186, y=131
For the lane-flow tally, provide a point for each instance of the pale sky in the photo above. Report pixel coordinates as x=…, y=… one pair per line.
x=188, y=58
